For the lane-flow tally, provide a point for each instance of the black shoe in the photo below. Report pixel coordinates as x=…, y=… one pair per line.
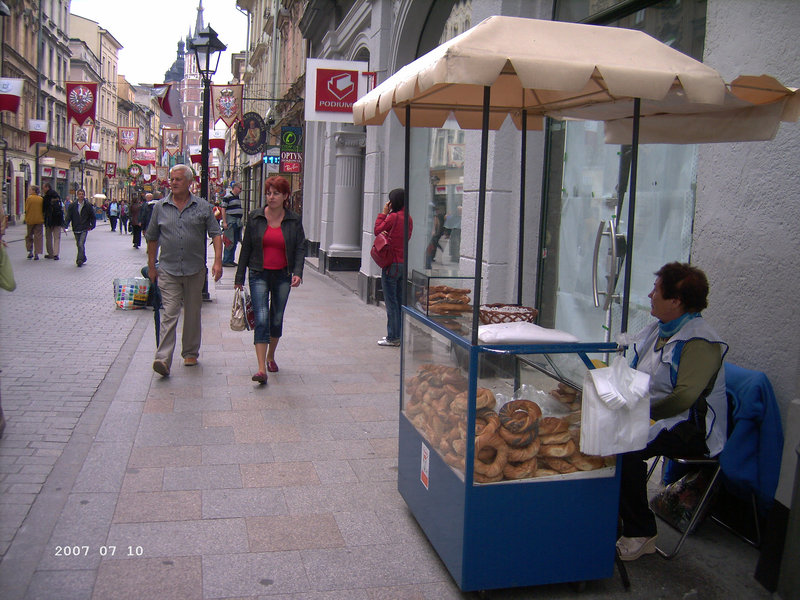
x=55, y=257
x=30, y=255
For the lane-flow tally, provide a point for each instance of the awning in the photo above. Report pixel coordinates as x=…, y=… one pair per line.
x=575, y=71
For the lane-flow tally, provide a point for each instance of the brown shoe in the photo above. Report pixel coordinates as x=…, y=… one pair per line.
x=160, y=367
x=190, y=361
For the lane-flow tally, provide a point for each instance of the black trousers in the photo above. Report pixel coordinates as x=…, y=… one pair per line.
x=137, y=235
x=638, y=520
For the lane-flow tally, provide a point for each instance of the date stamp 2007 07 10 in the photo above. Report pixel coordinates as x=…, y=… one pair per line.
x=77, y=550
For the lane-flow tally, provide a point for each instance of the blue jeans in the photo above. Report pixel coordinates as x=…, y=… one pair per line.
x=392, y=283
x=269, y=291
x=229, y=254
x=80, y=242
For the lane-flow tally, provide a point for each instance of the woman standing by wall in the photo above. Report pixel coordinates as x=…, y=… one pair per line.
x=273, y=249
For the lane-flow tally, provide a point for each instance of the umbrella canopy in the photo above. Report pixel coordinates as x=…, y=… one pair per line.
x=570, y=70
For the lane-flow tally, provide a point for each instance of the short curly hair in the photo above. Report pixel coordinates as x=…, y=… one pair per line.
x=686, y=283
x=279, y=183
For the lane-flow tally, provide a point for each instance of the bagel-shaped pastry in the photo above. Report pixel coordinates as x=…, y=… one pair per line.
x=517, y=440
x=557, y=464
x=486, y=423
x=478, y=478
x=525, y=452
x=545, y=472
x=558, y=450
x=494, y=466
x=483, y=399
x=550, y=425
x=520, y=470
x=584, y=462
x=556, y=438
x=519, y=416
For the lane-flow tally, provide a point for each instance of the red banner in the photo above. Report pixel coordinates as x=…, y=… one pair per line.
x=144, y=156
x=127, y=138
x=10, y=94
x=93, y=153
x=216, y=139
x=173, y=140
x=82, y=136
x=162, y=92
x=111, y=170
x=226, y=103
x=81, y=101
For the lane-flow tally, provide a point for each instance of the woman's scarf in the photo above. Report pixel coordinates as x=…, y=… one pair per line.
x=670, y=328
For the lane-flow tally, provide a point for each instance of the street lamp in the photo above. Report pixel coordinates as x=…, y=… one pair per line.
x=83, y=167
x=207, y=50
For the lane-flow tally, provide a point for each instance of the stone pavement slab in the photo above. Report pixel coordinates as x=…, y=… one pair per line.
x=116, y=483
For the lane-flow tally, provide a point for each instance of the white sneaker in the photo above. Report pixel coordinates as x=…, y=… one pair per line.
x=387, y=342
x=631, y=548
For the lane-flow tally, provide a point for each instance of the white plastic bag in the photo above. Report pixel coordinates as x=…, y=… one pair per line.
x=616, y=410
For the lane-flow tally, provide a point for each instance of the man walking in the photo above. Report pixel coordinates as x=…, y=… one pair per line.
x=232, y=215
x=81, y=217
x=53, y=222
x=178, y=226
x=34, y=219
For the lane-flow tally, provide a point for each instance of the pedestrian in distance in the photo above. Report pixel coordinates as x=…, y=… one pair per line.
x=232, y=215
x=176, y=236
x=136, y=223
x=124, y=217
x=273, y=250
x=53, y=221
x=147, y=209
x=391, y=220
x=81, y=217
x=34, y=221
x=113, y=214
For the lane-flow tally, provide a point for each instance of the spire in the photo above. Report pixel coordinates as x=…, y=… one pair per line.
x=199, y=25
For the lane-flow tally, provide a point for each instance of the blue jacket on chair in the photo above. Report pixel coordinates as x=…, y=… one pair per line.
x=751, y=459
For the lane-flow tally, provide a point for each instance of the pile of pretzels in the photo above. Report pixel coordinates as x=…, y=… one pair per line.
x=445, y=300
x=516, y=442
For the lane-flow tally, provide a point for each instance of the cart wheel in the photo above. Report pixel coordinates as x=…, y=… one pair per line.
x=578, y=586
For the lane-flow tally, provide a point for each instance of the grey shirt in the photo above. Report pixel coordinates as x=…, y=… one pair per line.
x=181, y=235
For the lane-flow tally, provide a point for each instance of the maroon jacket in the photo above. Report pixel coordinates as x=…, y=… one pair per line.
x=393, y=223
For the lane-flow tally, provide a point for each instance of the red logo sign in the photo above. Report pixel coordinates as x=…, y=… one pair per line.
x=337, y=90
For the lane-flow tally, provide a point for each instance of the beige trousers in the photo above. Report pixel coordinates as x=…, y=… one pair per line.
x=180, y=292
x=33, y=239
x=52, y=240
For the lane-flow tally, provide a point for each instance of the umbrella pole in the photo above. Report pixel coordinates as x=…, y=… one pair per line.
x=521, y=244
x=631, y=211
x=476, y=295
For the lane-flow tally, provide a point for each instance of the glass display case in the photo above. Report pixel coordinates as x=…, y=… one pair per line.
x=447, y=300
x=489, y=459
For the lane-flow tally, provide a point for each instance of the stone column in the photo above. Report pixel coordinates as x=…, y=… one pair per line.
x=347, y=202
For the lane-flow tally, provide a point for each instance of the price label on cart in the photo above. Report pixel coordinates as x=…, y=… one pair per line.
x=425, y=466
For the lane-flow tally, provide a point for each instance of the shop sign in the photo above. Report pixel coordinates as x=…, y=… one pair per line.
x=291, y=149
x=332, y=87
x=251, y=133
x=291, y=162
x=272, y=158
x=61, y=173
x=47, y=171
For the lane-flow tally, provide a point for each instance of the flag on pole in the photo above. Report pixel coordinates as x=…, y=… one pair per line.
x=37, y=132
x=94, y=153
x=10, y=94
x=216, y=139
x=162, y=93
x=195, y=152
x=81, y=101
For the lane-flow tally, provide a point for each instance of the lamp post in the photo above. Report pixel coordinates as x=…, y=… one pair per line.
x=207, y=49
x=83, y=167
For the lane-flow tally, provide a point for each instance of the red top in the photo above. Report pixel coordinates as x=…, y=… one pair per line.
x=393, y=223
x=274, y=247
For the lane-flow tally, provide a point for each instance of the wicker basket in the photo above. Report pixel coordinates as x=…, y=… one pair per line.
x=506, y=313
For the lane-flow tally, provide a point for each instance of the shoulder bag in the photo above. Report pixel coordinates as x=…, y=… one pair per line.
x=382, y=252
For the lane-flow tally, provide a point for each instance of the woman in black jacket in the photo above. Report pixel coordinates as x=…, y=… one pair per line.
x=274, y=249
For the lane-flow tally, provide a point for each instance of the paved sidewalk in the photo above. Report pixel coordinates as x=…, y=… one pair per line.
x=116, y=483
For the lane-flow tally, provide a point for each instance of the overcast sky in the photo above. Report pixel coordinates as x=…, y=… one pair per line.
x=150, y=30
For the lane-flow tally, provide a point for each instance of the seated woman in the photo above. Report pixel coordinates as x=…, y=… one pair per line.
x=683, y=356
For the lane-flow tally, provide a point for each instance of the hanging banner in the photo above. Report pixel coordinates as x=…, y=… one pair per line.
x=251, y=133
x=195, y=153
x=127, y=138
x=291, y=149
x=82, y=136
x=332, y=87
x=144, y=156
x=10, y=94
x=37, y=132
x=134, y=171
x=162, y=173
x=226, y=103
x=216, y=139
x=111, y=170
x=93, y=153
x=162, y=93
x=173, y=140
x=81, y=101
